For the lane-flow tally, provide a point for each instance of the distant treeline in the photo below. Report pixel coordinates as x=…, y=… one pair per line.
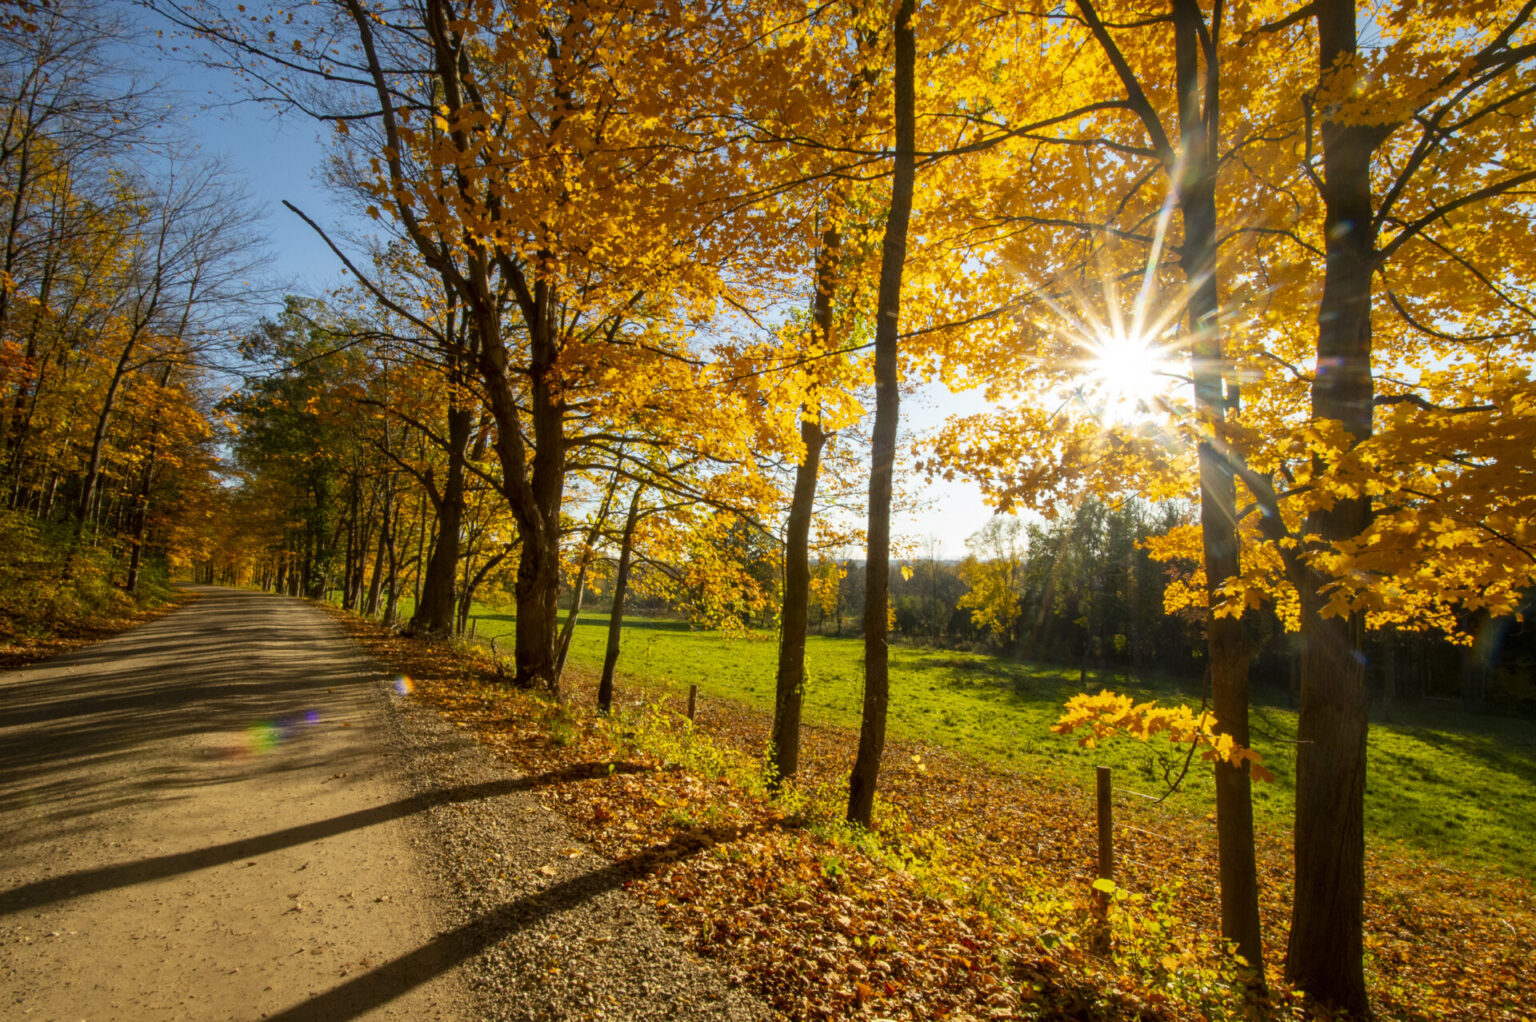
x=1083, y=590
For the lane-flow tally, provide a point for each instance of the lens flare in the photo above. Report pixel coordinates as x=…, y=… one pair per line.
x=403, y=685
x=264, y=736
x=261, y=738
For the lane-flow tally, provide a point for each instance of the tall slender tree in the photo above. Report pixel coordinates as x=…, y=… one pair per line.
x=877, y=563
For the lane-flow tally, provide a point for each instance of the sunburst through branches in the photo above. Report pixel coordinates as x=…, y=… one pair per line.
x=1123, y=369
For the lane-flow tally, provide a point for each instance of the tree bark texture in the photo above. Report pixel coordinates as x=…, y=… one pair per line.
x=1228, y=653
x=1324, y=954
x=866, y=765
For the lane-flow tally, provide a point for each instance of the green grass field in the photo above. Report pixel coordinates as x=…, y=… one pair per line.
x=1456, y=786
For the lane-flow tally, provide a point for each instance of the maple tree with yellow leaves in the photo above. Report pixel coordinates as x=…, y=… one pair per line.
x=1265, y=256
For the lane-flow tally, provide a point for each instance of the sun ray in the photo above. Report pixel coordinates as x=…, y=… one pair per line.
x=1122, y=363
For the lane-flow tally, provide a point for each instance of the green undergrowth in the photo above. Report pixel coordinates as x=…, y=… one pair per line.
x=52, y=587
x=1453, y=786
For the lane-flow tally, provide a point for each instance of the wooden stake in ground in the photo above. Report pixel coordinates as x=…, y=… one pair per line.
x=1106, y=872
x=1106, y=827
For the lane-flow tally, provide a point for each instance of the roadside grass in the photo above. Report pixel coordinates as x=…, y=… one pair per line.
x=1453, y=786
x=971, y=898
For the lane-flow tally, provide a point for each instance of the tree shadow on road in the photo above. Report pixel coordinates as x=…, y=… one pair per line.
x=211, y=681
x=394, y=978
x=84, y=882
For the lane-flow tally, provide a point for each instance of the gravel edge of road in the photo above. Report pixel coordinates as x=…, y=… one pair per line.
x=541, y=923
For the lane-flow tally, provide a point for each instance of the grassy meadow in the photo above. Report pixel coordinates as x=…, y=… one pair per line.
x=1455, y=786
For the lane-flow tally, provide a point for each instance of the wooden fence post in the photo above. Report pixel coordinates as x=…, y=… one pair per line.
x=1102, y=897
x=693, y=698
x=1106, y=827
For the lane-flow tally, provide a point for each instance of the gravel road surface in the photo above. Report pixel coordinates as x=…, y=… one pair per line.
x=228, y=813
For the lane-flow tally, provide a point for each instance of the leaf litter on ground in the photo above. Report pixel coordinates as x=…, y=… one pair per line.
x=973, y=898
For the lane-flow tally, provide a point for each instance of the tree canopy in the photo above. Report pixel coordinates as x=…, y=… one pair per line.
x=1239, y=296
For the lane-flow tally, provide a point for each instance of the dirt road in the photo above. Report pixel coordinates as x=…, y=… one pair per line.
x=198, y=819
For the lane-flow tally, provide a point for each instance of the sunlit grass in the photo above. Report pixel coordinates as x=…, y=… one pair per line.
x=1454, y=786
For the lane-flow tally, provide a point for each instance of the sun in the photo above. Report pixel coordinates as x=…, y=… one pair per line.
x=1120, y=359
x=1126, y=376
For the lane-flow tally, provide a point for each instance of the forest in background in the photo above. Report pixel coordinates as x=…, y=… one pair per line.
x=647, y=283
x=1078, y=589
x=126, y=260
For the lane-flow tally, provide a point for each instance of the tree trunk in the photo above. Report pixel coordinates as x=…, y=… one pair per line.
x=472, y=584
x=434, y=614
x=140, y=522
x=579, y=590
x=794, y=619
x=313, y=575
x=866, y=764
x=88, y=485
x=534, y=496
x=376, y=581
x=568, y=630
x=1324, y=955
x=616, y=612
x=536, y=506
x=537, y=592
x=1228, y=652
x=789, y=694
x=30, y=381
x=348, y=595
x=392, y=599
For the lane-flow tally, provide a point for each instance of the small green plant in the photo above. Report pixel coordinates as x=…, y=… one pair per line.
x=680, y=818
x=832, y=865
x=562, y=725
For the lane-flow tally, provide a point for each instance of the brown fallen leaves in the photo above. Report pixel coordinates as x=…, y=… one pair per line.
x=972, y=900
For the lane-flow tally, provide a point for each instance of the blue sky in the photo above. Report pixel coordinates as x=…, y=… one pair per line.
x=278, y=158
